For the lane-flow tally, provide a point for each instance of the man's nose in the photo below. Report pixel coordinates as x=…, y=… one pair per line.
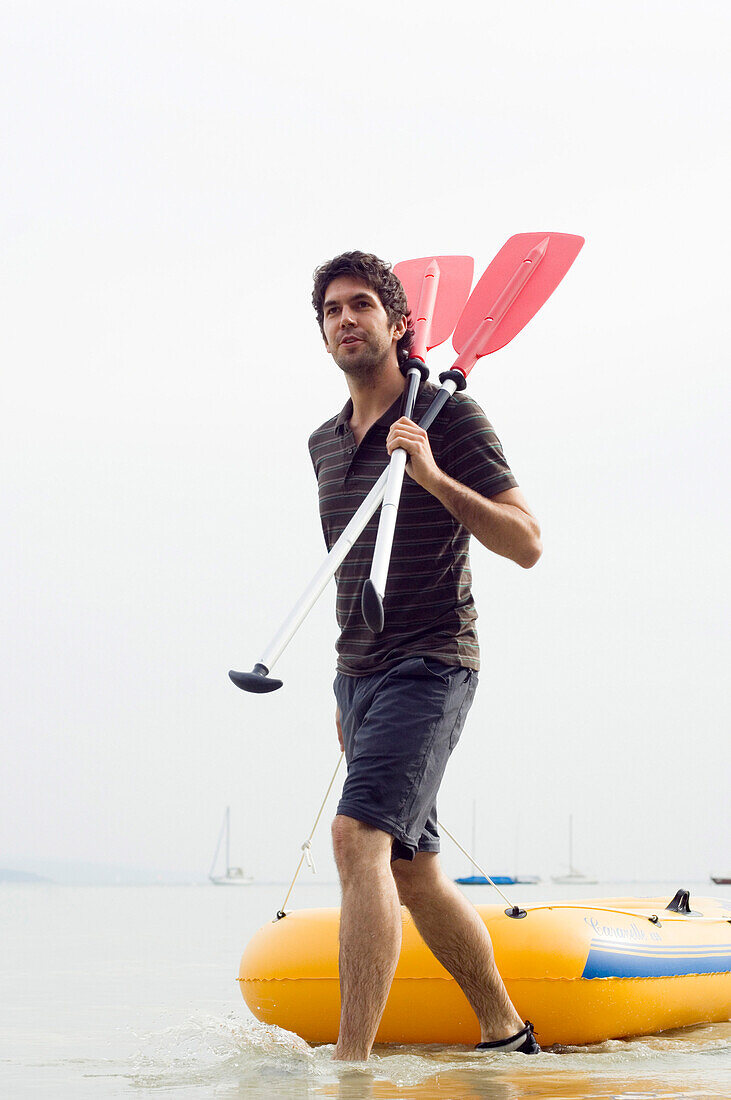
x=347, y=318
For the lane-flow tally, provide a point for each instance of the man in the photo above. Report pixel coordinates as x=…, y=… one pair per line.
x=403, y=695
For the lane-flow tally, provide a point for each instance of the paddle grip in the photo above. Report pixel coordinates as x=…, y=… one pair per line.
x=459, y=379
x=415, y=364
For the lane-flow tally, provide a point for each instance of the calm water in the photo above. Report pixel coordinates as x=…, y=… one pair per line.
x=131, y=991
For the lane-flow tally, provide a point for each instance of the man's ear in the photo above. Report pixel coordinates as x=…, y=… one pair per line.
x=401, y=327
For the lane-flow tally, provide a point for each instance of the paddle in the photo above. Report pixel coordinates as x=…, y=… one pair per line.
x=537, y=260
x=525, y=272
x=434, y=321
x=437, y=286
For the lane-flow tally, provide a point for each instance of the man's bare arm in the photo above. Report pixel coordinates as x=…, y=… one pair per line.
x=503, y=523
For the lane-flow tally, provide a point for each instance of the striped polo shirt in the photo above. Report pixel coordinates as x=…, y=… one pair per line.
x=428, y=605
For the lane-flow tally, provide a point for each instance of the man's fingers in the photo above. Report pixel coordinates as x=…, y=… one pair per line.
x=411, y=446
x=412, y=437
x=410, y=443
x=409, y=433
x=405, y=425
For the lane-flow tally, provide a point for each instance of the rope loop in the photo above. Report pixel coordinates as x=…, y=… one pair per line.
x=307, y=849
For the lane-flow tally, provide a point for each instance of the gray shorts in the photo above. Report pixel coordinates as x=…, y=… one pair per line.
x=399, y=729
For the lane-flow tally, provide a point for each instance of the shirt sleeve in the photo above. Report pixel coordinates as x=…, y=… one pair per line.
x=311, y=447
x=473, y=454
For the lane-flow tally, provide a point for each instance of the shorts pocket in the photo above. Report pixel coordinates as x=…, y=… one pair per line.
x=437, y=669
x=470, y=687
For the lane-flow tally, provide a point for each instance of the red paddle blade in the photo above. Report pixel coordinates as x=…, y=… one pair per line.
x=436, y=288
x=523, y=275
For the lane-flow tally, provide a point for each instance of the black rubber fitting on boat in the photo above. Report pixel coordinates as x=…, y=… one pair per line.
x=516, y=913
x=680, y=903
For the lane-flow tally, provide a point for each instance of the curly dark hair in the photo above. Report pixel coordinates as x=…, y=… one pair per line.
x=379, y=277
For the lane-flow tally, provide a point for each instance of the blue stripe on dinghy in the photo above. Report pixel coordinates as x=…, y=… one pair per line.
x=611, y=962
x=691, y=950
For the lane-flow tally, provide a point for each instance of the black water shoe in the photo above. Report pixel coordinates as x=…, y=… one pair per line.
x=523, y=1043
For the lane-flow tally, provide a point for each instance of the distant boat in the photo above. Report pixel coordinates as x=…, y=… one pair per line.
x=234, y=876
x=721, y=880
x=482, y=880
x=498, y=880
x=573, y=877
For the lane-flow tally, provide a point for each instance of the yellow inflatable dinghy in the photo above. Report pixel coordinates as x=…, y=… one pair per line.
x=581, y=971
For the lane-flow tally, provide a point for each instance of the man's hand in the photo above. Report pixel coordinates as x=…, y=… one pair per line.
x=414, y=440
x=503, y=523
x=339, y=728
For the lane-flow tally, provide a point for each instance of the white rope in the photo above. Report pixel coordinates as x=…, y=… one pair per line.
x=307, y=845
x=309, y=858
x=474, y=863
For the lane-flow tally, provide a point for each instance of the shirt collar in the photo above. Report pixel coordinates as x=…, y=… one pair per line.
x=345, y=414
x=385, y=420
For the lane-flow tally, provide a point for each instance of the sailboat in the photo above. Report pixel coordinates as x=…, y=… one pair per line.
x=498, y=880
x=234, y=876
x=574, y=877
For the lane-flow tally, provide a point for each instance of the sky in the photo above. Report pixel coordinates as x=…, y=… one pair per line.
x=172, y=173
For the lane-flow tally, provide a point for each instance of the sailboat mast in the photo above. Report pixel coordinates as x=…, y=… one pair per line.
x=474, y=828
x=571, y=844
x=228, y=838
x=218, y=847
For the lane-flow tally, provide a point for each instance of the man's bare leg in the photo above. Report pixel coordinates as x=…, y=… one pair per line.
x=453, y=931
x=370, y=933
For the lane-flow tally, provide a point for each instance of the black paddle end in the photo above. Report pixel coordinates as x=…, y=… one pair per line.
x=371, y=605
x=256, y=681
x=415, y=364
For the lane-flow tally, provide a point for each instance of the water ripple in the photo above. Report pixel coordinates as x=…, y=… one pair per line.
x=230, y=1057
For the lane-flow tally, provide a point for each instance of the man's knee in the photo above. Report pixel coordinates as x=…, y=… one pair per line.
x=345, y=837
x=358, y=846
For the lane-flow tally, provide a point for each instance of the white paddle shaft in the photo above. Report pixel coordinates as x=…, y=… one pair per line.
x=389, y=511
x=332, y=562
x=387, y=521
x=396, y=468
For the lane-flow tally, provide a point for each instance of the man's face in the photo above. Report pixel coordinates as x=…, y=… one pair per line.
x=357, y=331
